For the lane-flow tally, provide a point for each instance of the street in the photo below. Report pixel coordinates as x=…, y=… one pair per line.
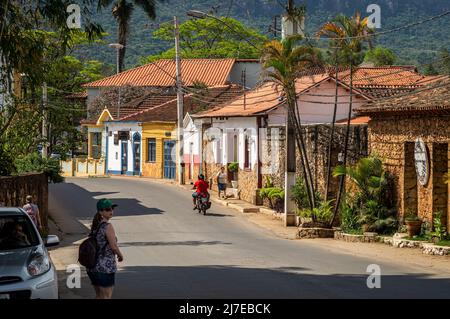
x=172, y=251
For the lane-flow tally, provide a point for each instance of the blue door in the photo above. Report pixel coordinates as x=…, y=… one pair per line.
x=124, y=165
x=137, y=154
x=169, y=160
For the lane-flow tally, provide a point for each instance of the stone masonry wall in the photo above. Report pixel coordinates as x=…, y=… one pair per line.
x=392, y=138
x=248, y=185
x=317, y=139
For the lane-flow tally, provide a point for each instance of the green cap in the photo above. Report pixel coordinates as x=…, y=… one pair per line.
x=105, y=203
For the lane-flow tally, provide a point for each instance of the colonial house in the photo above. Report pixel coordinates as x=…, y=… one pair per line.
x=158, y=79
x=144, y=143
x=250, y=130
x=411, y=134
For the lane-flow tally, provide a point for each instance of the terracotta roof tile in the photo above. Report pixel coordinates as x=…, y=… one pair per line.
x=167, y=112
x=435, y=97
x=211, y=72
x=261, y=99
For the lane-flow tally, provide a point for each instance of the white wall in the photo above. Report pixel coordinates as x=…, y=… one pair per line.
x=224, y=130
x=315, y=113
x=253, y=72
x=114, y=163
x=92, y=94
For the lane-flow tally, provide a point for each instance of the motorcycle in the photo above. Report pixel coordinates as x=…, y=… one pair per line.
x=203, y=204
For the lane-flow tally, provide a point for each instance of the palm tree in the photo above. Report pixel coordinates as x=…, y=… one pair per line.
x=122, y=11
x=283, y=61
x=349, y=35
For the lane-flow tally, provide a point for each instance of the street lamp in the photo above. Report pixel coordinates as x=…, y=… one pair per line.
x=201, y=15
x=118, y=47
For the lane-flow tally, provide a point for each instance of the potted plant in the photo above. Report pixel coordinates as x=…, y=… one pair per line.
x=233, y=167
x=413, y=225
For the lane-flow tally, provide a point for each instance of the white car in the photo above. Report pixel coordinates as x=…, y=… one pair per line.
x=26, y=270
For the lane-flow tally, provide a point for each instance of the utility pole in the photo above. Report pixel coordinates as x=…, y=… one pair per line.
x=290, y=160
x=180, y=108
x=244, y=85
x=44, y=120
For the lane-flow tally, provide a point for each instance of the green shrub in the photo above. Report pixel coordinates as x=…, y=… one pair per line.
x=299, y=195
x=35, y=163
x=350, y=221
x=7, y=166
x=323, y=213
x=233, y=167
x=275, y=195
x=440, y=231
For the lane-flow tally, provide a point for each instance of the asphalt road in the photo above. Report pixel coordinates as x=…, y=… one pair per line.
x=173, y=252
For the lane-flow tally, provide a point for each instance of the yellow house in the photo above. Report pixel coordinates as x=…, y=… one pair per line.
x=159, y=150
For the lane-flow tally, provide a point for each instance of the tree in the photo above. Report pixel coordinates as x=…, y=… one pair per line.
x=444, y=55
x=122, y=11
x=66, y=75
x=380, y=56
x=349, y=35
x=283, y=62
x=210, y=38
x=430, y=70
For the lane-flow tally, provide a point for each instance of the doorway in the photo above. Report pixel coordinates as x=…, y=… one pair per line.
x=124, y=160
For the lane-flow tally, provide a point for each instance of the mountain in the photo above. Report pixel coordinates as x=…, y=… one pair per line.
x=415, y=45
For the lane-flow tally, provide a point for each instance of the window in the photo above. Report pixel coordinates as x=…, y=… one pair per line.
x=96, y=145
x=247, y=153
x=151, y=150
x=235, y=148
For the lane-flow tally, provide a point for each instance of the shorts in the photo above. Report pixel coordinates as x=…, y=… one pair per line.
x=102, y=279
x=222, y=187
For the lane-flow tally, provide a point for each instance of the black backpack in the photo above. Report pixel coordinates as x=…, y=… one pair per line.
x=88, y=252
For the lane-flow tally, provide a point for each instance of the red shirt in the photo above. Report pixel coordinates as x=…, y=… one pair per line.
x=201, y=186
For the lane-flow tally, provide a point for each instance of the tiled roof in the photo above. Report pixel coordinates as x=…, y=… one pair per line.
x=386, y=81
x=261, y=99
x=356, y=120
x=212, y=72
x=434, y=97
x=167, y=112
x=371, y=82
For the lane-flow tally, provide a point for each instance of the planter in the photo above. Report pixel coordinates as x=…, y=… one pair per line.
x=413, y=227
x=234, y=184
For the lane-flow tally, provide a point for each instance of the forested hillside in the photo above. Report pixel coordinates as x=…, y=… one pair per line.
x=416, y=45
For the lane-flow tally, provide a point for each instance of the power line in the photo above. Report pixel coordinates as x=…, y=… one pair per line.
x=446, y=13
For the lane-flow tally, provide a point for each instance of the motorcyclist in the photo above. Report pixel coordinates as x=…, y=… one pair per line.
x=201, y=187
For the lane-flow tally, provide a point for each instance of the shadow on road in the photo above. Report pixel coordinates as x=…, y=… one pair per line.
x=72, y=195
x=285, y=282
x=174, y=243
x=217, y=215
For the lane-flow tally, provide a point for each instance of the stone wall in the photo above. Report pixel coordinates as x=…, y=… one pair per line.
x=317, y=139
x=392, y=138
x=248, y=185
x=14, y=189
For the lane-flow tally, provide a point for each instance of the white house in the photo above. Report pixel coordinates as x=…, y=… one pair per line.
x=241, y=130
x=123, y=148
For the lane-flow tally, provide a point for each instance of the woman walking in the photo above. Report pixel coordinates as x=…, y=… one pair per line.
x=103, y=274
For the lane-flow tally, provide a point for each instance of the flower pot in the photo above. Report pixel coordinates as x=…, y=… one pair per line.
x=413, y=227
x=234, y=184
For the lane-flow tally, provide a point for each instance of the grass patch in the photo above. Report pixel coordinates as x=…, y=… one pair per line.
x=353, y=231
x=418, y=238
x=443, y=243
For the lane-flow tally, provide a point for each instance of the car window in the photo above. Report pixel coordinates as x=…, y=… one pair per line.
x=17, y=232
